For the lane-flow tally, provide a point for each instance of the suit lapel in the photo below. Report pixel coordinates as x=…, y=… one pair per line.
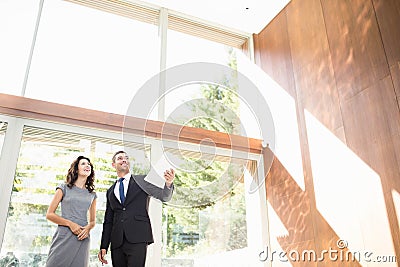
x=113, y=198
x=133, y=190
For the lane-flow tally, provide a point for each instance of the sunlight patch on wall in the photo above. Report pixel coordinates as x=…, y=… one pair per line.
x=348, y=192
x=283, y=109
x=396, y=200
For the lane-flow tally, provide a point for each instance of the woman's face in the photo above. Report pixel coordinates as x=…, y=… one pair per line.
x=84, y=168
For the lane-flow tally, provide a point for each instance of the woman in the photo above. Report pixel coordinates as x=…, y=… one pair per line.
x=71, y=242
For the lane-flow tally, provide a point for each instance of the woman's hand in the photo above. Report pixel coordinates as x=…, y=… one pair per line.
x=75, y=228
x=84, y=232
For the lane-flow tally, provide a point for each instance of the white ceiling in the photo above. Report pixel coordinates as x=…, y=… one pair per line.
x=249, y=16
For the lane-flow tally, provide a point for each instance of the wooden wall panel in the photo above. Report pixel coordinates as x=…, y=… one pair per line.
x=356, y=47
x=360, y=64
x=395, y=73
x=388, y=17
x=296, y=212
x=344, y=71
x=312, y=66
x=292, y=206
x=316, y=93
x=372, y=123
x=366, y=88
x=306, y=31
x=275, y=58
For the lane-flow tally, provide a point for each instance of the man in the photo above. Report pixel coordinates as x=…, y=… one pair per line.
x=126, y=221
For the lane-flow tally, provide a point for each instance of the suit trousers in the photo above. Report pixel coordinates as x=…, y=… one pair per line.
x=129, y=255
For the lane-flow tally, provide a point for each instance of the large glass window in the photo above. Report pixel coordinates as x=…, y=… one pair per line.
x=43, y=162
x=97, y=60
x=203, y=104
x=183, y=48
x=92, y=59
x=17, y=25
x=207, y=216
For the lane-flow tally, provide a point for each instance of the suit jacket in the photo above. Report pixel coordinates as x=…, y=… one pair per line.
x=131, y=219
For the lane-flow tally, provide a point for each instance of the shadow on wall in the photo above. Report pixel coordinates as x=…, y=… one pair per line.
x=349, y=216
x=332, y=58
x=294, y=228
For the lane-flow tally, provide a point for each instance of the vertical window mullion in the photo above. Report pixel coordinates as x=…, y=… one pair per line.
x=162, y=32
x=28, y=65
x=8, y=165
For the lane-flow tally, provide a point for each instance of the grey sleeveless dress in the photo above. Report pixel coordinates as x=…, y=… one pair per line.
x=66, y=250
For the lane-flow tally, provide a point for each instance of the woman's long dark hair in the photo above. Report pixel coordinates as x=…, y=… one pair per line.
x=72, y=175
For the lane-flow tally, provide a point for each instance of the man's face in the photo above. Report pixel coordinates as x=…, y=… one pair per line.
x=121, y=163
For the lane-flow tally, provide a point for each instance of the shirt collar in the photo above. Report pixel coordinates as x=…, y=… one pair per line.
x=127, y=177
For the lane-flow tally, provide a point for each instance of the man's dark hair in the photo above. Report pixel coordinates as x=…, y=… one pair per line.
x=116, y=153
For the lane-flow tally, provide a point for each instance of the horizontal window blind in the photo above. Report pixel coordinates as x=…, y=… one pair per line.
x=123, y=8
x=176, y=21
x=3, y=127
x=206, y=31
x=41, y=135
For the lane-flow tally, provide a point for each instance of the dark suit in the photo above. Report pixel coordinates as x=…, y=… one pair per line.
x=130, y=222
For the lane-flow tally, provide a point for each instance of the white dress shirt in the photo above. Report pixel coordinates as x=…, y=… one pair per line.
x=126, y=184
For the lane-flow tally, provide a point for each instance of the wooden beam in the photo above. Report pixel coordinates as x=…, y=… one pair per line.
x=53, y=112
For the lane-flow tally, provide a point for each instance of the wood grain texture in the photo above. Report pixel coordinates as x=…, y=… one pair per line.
x=356, y=47
x=345, y=64
x=388, y=17
x=371, y=124
x=47, y=111
x=312, y=65
x=291, y=204
x=274, y=56
x=395, y=73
